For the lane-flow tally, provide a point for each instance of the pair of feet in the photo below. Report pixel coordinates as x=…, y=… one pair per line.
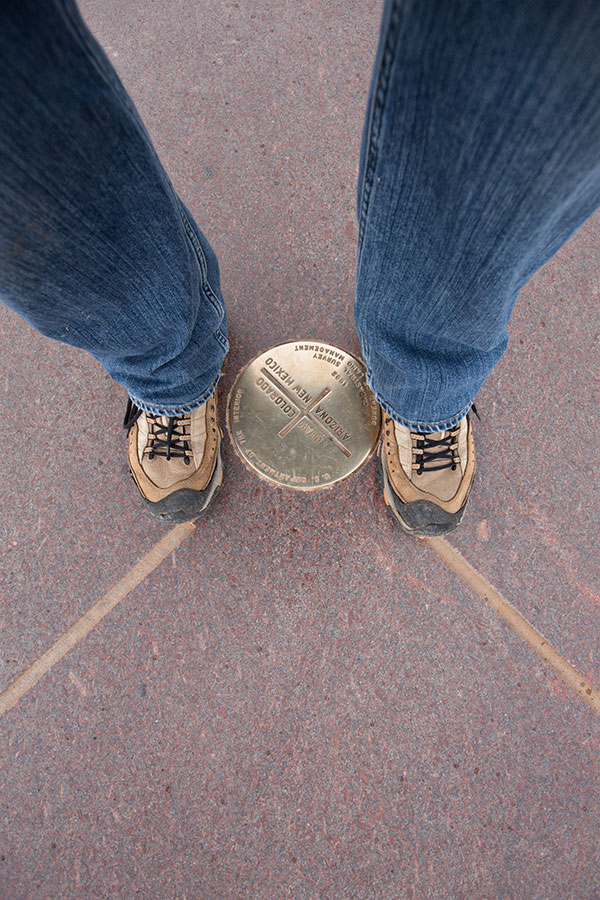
x=177, y=464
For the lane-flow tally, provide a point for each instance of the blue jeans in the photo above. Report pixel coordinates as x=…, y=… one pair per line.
x=480, y=157
x=96, y=248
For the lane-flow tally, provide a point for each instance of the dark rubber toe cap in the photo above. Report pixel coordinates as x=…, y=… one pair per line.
x=421, y=518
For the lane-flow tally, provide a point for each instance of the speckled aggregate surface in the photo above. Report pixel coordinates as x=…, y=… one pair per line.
x=300, y=702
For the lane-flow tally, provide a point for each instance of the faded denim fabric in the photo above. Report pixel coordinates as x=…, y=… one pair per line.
x=96, y=249
x=480, y=157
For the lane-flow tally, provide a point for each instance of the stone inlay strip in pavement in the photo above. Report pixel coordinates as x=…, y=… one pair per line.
x=447, y=553
x=95, y=613
x=456, y=561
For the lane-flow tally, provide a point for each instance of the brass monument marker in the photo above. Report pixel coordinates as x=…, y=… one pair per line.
x=302, y=416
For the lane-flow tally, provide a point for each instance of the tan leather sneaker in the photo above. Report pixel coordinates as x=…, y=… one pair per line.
x=427, y=478
x=177, y=463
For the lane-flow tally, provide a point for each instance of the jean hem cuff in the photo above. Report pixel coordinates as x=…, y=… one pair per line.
x=424, y=427
x=173, y=411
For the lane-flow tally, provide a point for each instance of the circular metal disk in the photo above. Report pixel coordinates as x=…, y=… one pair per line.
x=302, y=416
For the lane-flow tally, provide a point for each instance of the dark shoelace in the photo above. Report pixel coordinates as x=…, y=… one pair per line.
x=431, y=451
x=171, y=440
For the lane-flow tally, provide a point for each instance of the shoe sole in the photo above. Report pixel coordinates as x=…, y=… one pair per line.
x=416, y=518
x=186, y=505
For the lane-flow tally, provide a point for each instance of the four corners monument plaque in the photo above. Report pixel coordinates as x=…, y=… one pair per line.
x=302, y=416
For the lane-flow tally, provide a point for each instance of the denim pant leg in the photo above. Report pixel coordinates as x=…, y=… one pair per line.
x=96, y=249
x=480, y=157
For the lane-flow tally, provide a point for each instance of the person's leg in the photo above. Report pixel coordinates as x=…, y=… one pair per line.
x=480, y=157
x=96, y=249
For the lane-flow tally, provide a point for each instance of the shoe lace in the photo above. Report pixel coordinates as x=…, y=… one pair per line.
x=172, y=440
x=433, y=454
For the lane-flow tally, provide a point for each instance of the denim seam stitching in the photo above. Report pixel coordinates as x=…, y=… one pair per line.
x=377, y=117
x=88, y=44
x=83, y=37
x=210, y=294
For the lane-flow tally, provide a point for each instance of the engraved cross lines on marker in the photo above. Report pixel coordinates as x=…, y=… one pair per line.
x=305, y=413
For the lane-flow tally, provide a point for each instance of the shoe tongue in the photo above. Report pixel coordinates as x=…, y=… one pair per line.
x=437, y=435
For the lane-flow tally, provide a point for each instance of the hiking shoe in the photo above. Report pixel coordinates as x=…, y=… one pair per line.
x=427, y=477
x=176, y=462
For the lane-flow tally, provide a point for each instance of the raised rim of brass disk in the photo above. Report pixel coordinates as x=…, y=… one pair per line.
x=301, y=415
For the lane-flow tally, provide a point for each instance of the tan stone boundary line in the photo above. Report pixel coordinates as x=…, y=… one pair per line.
x=453, y=559
x=515, y=620
x=90, y=619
